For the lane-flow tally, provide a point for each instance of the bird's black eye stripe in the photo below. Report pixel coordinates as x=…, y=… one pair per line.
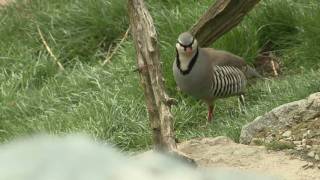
x=185, y=46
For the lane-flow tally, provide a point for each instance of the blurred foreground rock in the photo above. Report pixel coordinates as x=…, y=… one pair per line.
x=80, y=158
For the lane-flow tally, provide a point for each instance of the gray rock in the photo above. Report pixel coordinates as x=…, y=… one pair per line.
x=309, y=134
x=311, y=154
x=308, y=165
x=269, y=138
x=299, y=148
x=282, y=116
x=315, y=147
x=257, y=141
x=304, y=142
x=287, y=134
x=297, y=143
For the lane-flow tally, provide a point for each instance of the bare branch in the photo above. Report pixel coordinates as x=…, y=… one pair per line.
x=109, y=56
x=220, y=18
x=148, y=60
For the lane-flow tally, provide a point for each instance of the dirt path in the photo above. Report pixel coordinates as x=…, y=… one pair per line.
x=223, y=152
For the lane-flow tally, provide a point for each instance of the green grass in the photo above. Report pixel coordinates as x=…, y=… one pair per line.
x=107, y=102
x=278, y=146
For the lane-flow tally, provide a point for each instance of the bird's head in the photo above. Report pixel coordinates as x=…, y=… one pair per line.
x=186, y=44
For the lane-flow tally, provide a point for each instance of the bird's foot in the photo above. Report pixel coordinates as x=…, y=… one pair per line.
x=210, y=113
x=210, y=119
x=242, y=105
x=242, y=109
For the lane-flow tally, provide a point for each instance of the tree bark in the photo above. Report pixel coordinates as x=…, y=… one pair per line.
x=148, y=60
x=221, y=17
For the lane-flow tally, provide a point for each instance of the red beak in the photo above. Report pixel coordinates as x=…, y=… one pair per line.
x=189, y=50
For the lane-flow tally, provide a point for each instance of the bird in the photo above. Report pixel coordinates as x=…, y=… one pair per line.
x=209, y=74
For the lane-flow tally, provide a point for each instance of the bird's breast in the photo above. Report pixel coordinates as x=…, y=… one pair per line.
x=195, y=83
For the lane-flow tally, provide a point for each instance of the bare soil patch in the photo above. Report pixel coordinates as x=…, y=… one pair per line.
x=222, y=152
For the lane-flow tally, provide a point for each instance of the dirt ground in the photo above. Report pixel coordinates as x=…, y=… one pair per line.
x=223, y=152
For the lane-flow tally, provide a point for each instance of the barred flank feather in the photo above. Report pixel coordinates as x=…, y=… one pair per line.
x=227, y=81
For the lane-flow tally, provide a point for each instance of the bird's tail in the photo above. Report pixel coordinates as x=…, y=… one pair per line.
x=250, y=72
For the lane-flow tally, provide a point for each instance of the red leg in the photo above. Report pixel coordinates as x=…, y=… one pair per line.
x=210, y=113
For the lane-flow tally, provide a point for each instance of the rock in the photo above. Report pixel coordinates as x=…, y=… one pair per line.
x=308, y=146
x=305, y=165
x=285, y=142
x=304, y=142
x=287, y=134
x=309, y=142
x=304, y=135
x=297, y=143
x=289, y=138
x=257, y=141
x=299, y=148
x=61, y=158
x=316, y=147
x=308, y=165
x=309, y=134
x=311, y=154
x=282, y=116
x=269, y=138
x=316, y=157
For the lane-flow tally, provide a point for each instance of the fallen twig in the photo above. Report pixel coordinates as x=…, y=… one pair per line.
x=55, y=59
x=274, y=68
x=109, y=56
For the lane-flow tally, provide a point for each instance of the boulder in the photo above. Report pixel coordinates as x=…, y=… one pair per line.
x=281, y=117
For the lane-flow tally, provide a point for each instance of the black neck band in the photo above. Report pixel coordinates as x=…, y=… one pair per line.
x=190, y=65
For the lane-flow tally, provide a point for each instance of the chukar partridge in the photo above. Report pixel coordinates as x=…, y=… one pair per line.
x=207, y=73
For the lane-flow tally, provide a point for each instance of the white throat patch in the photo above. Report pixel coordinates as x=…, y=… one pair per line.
x=184, y=61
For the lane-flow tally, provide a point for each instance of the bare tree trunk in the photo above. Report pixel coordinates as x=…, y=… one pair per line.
x=220, y=18
x=148, y=60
